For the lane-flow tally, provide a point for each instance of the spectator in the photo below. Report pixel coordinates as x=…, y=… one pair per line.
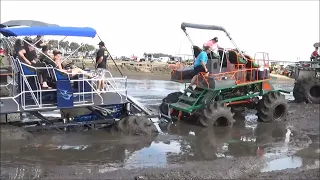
x=75, y=71
x=28, y=55
x=314, y=54
x=46, y=58
x=213, y=44
x=101, y=64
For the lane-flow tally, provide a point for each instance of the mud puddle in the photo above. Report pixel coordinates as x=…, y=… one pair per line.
x=99, y=152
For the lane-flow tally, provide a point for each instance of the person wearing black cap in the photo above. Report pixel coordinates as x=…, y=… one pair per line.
x=102, y=54
x=101, y=63
x=28, y=55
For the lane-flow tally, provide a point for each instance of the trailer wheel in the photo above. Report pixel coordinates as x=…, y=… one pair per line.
x=135, y=125
x=216, y=114
x=171, y=98
x=312, y=90
x=298, y=92
x=272, y=107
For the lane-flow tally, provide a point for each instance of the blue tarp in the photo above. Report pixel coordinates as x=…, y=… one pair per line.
x=51, y=31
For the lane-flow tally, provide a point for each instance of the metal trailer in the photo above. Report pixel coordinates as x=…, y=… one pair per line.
x=76, y=96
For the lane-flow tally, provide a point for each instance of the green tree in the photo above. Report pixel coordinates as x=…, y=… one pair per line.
x=157, y=55
x=91, y=47
x=53, y=44
x=64, y=45
x=87, y=48
x=73, y=46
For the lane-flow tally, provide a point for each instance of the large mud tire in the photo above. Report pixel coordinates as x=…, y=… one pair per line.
x=312, y=90
x=171, y=98
x=216, y=114
x=135, y=125
x=272, y=107
x=298, y=92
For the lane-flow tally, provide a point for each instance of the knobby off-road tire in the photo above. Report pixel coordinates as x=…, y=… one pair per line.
x=171, y=98
x=307, y=90
x=216, y=114
x=312, y=90
x=135, y=125
x=298, y=92
x=272, y=107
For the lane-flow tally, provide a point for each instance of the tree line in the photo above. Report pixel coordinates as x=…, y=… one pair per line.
x=70, y=46
x=158, y=55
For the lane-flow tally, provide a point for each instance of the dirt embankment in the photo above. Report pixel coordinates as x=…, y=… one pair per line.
x=156, y=71
x=141, y=72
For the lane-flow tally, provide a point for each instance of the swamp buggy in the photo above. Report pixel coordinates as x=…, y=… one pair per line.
x=235, y=81
x=307, y=80
x=77, y=98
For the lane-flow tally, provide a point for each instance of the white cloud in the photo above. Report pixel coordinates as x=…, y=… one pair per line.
x=286, y=30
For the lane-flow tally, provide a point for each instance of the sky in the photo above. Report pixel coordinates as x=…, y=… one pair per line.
x=285, y=29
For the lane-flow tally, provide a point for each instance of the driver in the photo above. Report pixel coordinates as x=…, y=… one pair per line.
x=314, y=54
x=200, y=65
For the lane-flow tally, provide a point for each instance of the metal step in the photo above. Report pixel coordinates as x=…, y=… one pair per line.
x=180, y=106
x=188, y=99
x=195, y=92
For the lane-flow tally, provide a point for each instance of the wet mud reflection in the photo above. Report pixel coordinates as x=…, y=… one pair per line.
x=98, y=152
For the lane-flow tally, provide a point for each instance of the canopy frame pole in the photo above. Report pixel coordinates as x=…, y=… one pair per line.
x=235, y=45
x=111, y=57
x=72, y=53
x=38, y=40
x=189, y=38
x=61, y=41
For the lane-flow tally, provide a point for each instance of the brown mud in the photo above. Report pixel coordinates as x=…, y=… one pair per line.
x=249, y=150
x=202, y=152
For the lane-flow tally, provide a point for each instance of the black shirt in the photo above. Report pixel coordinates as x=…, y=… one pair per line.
x=30, y=55
x=102, y=52
x=16, y=52
x=38, y=45
x=46, y=60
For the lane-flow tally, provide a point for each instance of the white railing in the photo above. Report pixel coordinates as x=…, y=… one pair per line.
x=112, y=85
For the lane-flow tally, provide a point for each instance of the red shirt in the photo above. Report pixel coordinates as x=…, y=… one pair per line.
x=315, y=53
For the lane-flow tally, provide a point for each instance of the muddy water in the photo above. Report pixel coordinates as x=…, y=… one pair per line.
x=99, y=152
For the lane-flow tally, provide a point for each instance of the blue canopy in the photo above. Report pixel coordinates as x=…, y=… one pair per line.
x=51, y=31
